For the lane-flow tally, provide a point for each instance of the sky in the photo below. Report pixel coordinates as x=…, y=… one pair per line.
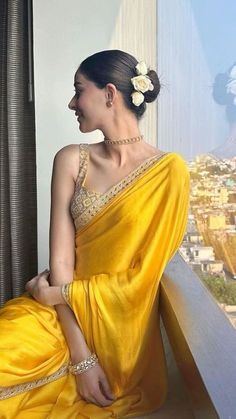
x=216, y=20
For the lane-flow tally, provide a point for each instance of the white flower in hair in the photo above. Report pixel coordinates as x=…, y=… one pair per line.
x=142, y=83
x=137, y=98
x=141, y=68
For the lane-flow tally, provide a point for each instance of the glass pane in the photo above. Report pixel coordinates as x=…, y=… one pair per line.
x=197, y=118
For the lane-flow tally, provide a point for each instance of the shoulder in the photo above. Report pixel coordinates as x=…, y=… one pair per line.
x=68, y=152
x=177, y=161
x=66, y=161
x=178, y=168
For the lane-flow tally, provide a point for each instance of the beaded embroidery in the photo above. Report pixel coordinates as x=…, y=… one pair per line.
x=6, y=392
x=82, y=197
x=65, y=294
x=84, y=158
x=86, y=204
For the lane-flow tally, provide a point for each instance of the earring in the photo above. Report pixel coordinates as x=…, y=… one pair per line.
x=109, y=103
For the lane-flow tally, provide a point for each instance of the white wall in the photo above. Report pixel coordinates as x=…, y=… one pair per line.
x=66, y=32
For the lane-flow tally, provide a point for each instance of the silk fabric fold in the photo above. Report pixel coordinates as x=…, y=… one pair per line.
x=121, y=254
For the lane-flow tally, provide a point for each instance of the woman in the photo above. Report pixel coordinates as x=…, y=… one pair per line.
x=118, y=215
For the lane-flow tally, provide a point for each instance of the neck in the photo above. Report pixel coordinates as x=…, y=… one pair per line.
x=124, y=126
x=118, y=128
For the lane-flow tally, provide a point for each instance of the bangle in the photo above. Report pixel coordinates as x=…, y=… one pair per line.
x=65, y=293
x=84, y=365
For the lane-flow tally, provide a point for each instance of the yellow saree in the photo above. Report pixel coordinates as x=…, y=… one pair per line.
x=123, y=242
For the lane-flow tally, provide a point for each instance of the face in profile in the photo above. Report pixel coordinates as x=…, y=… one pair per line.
x=88, y=103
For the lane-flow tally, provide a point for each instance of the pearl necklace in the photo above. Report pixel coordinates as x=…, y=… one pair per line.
x=123, y=141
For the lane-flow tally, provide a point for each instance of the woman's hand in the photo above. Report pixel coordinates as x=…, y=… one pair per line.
x=38, y=287
x=93, y=387
x=41, y=290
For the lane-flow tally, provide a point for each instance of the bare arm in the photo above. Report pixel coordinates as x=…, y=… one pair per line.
x=62, y=238
x=62, y=262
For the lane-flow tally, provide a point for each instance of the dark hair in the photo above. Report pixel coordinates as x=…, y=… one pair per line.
x=118, y=67
x=222, y=96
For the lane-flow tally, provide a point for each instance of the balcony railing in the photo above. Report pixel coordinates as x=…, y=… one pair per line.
x=203, y=342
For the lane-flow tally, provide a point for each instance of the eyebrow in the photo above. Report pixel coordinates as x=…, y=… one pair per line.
x=77, y=82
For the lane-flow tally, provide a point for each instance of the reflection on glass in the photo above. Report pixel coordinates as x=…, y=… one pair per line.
x=197, y=117
x=210, y=241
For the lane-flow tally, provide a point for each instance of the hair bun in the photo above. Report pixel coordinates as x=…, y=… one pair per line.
x=119, y=67
x=151, y=95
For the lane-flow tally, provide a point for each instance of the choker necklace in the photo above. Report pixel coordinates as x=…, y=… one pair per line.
x=123, y=141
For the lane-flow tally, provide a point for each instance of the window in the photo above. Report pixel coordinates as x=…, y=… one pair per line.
x=197, y=118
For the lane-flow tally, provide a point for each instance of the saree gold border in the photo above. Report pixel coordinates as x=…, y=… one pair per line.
x=7, y=392
x=105, y=198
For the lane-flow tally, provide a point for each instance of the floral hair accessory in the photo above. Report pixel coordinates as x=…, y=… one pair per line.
x=231, y=85
x=141, y=68
x=142, y=83
x=137, y=98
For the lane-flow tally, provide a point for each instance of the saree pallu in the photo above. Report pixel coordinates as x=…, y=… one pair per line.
x=122, y=246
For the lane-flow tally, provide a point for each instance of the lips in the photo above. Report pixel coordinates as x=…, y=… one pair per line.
x=79, y=115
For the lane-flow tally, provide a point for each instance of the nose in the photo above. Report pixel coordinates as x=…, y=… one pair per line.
x=72, y=103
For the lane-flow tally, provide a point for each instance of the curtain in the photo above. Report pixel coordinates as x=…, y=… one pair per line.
x=18, y=210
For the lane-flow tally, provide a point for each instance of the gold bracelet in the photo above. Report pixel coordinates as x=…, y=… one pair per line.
x=84, y=365
x=65, y=293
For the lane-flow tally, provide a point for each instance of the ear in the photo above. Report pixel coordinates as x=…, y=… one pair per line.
x=110, y=92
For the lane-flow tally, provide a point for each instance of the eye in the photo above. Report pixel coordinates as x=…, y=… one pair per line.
x=77, y=93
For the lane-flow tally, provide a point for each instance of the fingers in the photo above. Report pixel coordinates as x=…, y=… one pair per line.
x=96, y=396
x=94, y=387
x=91, y=400
x=46, y=272
x=102, y=400
x=98, y=399
x=105, y=388
x=30, y=284
x=46, y=275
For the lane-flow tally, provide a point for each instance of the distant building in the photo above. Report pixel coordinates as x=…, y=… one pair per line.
x=213, y=267
x=216, y=221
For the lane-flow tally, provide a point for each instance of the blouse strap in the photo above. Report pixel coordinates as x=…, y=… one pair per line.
x=83, y=163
